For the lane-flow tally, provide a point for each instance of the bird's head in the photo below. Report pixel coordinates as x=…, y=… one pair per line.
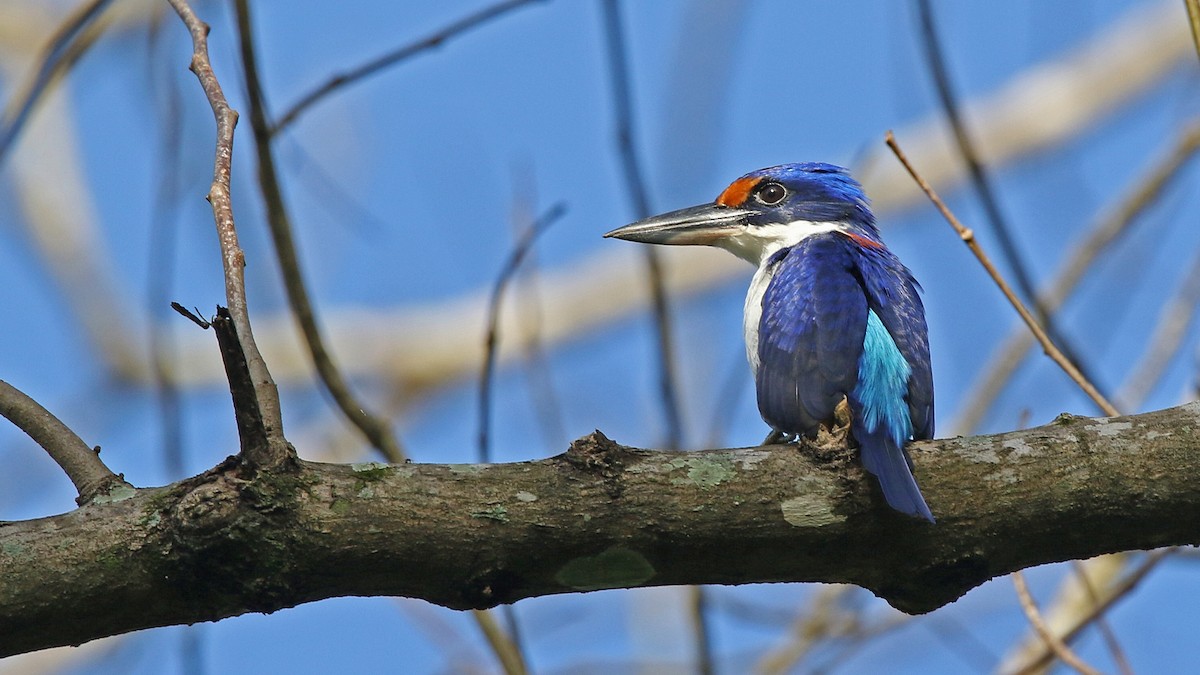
x=765, y=211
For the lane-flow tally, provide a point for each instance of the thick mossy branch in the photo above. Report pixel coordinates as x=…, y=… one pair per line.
x=237, y=539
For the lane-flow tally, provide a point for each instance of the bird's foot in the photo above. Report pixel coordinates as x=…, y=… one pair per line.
x=834, y=436
x=777, y=437
x=835, y=432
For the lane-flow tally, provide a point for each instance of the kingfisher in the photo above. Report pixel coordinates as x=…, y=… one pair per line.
x=833, y=319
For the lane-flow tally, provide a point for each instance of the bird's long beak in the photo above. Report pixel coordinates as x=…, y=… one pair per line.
x=696, y=225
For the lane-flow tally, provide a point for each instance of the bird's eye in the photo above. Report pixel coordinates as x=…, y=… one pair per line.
x=770, y=193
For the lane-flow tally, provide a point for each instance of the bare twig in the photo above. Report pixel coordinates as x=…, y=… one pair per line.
x=510, y=657
x=1116, y=224
x=1109, y=596
x=702, y=634
x=81, y=463
x=1060, y=649
x=818, y=620
x=436, y=39
x=251, y=431
x=492, y=339
x=377, y=431
x=544, y=399
x=983, y=185
x=958, y=638
x=447, y=636
x=822, y=621
x=968, y=237
x=636, y=186
x=1071, y=601
x=233, y=259
x=1193, y=11
x=1110, y=636
x=1009, y=122
x=1040, y=106
x=57, y=57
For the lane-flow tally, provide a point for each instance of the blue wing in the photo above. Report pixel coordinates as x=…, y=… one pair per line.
x=810, y=334
x=892, y=296
x=841, y=320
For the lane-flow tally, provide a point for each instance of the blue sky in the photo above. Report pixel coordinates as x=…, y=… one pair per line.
x=402, y=188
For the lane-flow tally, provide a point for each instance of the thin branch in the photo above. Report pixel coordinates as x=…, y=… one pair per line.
x=57, y=57
x=1116, y=224
x=1111, y=594
x=635, y=184
x=968, y=237
x=544, y=398
x=1193, y=11
x=252, y=433
x=701, y=631
x=591, y=292
x=960, y=640
x=1038, y=107
x=81, y=463
x=446, y=636
x=1070, y=602
x=436, y=39
x=1060, y=649
x=492, y=340
x=1106, y=631
x=983, y=184
x=823, y=621
x=232, y=257
x=510, y=657
x=377, y=431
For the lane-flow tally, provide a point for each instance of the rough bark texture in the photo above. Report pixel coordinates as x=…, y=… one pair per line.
x=237, y=540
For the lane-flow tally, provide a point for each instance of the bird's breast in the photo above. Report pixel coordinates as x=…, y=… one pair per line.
x=752, y=314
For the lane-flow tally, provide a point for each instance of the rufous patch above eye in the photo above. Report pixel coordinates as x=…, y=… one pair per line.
x=738, y=191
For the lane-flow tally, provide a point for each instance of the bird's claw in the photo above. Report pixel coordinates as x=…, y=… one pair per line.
x=777, y=437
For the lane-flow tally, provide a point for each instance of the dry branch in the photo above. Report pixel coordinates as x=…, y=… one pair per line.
x=81, y=463
x=258, y=413
x=377, y=430
x=1036, y=110
x=599, y=516
x=968, y=237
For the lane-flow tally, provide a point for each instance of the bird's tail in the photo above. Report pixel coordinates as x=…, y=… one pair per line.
x=889, y=462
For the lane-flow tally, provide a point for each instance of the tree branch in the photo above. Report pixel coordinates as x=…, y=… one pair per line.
x=375, y=429
x=67, y=44
x=982, y=183
x=374, y=66
x=635, y=185
x=232, y=257
x=599, y=516
x=81, y=463
x=968, y=237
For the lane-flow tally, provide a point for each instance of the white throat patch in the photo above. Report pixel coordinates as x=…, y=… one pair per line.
x=757, y=246
x=758, y=243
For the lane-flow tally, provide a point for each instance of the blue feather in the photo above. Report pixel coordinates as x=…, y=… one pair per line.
x=883, y=383
x=844, y=321
x=882, y=424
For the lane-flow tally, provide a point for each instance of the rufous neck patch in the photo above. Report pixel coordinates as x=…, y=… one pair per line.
x=738, y=191
x=863, y=241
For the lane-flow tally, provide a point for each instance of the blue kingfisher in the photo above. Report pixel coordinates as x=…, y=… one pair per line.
x=832, y=318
